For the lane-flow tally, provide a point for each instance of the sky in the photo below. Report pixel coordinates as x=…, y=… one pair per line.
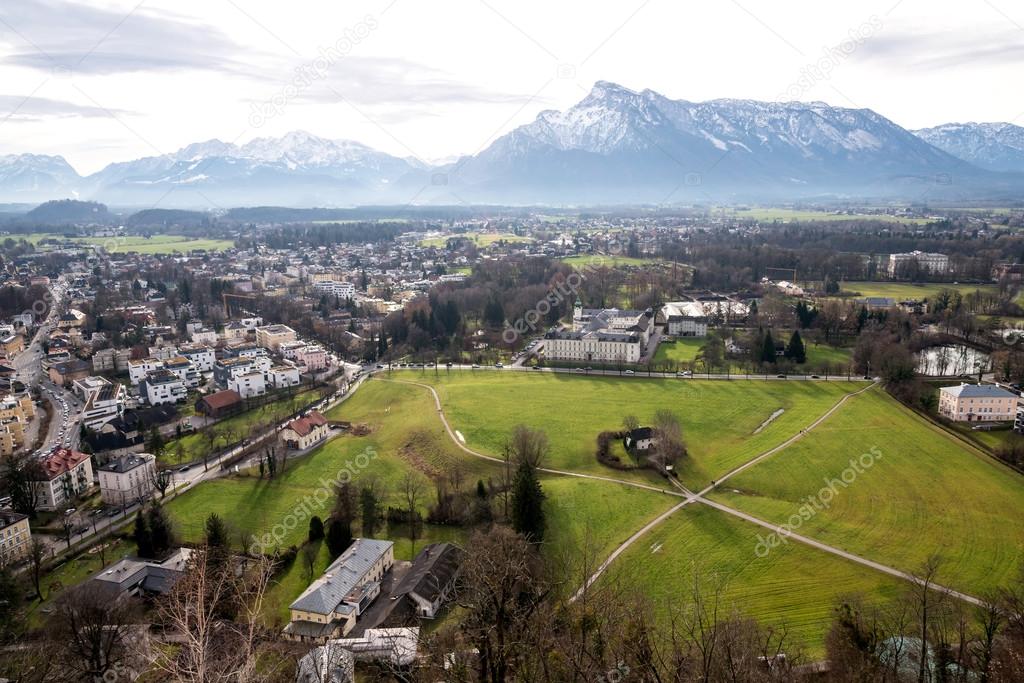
x=105, y=80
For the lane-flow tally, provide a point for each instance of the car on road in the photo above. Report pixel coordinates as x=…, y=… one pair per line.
x=475, y=366
x=536, y=367
x=780, y=376
x=630, y=372
x=498, y=365
x=815, y=377
x=685, y=373
x=186, y=468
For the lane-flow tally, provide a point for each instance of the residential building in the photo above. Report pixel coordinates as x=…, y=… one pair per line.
x=183, y=369
x=12, y=344
x=127, y=479
x=272, y=336
x=73, y=318
x=977, y=403
x=305, y=432
x=313, y=356
x=65, y=372
x=67, y=474
x=15, y=537
x=282, y=375
x=641, y=439
x=327, y=663
x=248, y=384
x=936, y=264
x=162, y=387
x=16, y=411
x=138, y=369
x=104, y=401
x=330, y=606
x=333, y=288
x=202, y=357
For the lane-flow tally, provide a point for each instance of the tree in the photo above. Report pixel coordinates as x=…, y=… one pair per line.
x=339, y=537
x=529, y=445
x=155, y=442
x=795, y=349
x=11, y=592
x=212, y=649
x=161, y=533
x=216, y=534
x=630, y=422
x=162, y=480
x=18, y=476
x=669, y=435
x=316, y=529
x=309, y=553
x=142, y=536
x=369, y=509
x=768, y=348
x=528, y=503
x=92, y=630
x=412, y=491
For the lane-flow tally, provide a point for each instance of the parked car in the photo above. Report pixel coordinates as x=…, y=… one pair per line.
x=630, y=372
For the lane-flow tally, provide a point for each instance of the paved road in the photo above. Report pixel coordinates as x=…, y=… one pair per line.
x=691, y=497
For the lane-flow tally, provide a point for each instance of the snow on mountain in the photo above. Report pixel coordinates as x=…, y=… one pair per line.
x=35, y=177
x=994, y=146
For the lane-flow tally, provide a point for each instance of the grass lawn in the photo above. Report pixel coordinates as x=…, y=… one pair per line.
x=191, y=447
x=406, y=436
x=157, y=244
x=598, y=260
x=907, y=290
x=926, y=494
x=718, y=417
x=480, y=239
x=71, y=573
x=785, y=215
x=793, y=586
x=682, y=350
x=819, y=355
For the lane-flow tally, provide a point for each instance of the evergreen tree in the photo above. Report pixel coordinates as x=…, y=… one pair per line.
x=795, y=350
x=161, y=534
x=216, y=533
x=339, y=537
x=370, y=510
x=316, y=529
x=155, y=444
x=142, y=536
x=528, y=503
x=768, y=348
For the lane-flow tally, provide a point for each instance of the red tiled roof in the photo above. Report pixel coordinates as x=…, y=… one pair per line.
x=62, y=460
x=304, y=425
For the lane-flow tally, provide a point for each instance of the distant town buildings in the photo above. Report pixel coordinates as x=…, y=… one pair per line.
x=936, y=264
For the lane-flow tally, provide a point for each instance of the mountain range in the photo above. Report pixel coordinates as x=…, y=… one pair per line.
x=614, y=146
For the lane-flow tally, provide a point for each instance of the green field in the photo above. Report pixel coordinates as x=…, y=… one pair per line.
x=926, y=494
x=480, y=239
x=602, y=260
x=793, y=586
x=787, y=215
x=820, y=355
x=157, y=244
x=682, y=350
x=718, y=418
x=906, y=290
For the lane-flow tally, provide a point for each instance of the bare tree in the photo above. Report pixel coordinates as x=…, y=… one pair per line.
x=309, y=553
x=93, y=629
x=530, y=445
x=212, y=648
x=36, y=563
x=412, y=491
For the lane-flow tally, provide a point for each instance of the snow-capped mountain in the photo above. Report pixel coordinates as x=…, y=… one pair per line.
x=36, y=177
x=614, y=146
x=995, y=146
x=621, y=145
x=295, y=169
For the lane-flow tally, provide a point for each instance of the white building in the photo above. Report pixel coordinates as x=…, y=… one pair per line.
x=930, y=262
x=162, y=387
x=684, y=319
x=283, y=375
x=202, y=357
x=601, y=336
x=248, y=384
x=333, y=288
x=104, y=400
x=138, y=369
x=128, y=479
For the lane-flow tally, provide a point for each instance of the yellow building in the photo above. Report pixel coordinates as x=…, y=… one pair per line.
x=15, y=414
x=14, y=536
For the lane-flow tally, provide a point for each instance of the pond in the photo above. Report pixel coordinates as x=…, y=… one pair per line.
x=952, y=359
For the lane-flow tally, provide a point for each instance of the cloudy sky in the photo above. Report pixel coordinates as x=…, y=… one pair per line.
x=104, y=80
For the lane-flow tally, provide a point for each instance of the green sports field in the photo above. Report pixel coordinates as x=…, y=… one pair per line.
x=905, y=290
x=480, y=239
x=157, y=244
x=601, y=260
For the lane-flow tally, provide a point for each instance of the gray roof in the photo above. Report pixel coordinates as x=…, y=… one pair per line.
x=126, y=463
x=346, y=573
x=432, y=571
x=978, y=391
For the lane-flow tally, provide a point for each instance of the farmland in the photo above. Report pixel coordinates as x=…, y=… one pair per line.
x=480, y=239
x=157, y=244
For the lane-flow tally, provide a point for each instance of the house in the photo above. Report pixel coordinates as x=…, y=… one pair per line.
x=139, y=369
x=313, y=356
x=330, y=606
x=431, y=579
x=248, y=384
x=12, y=345
x=67, y=475
x=220, y=404
x=977, y=403
x=73, y=318
x=685, y=319
x=127, y=479
x=138, y=577
x=393, y=647
x=327, y=663
x=641, y=439
x=201, y=357
x=877, y=303
x=65, y=372
x=15, y=536
x=306, y=431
